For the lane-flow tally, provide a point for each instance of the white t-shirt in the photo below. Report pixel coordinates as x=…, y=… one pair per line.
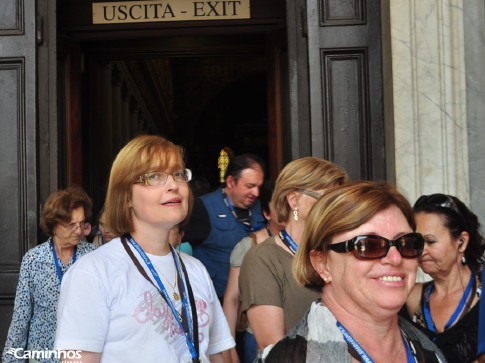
x=107, y=306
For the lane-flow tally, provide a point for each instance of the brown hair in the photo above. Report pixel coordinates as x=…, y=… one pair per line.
x=59, y=206
x=140, y=156
x=343, y=209
x=305, y=173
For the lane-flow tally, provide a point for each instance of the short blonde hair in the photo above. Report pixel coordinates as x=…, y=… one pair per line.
x=306, y=173
x=343, y=209
x=140, y=156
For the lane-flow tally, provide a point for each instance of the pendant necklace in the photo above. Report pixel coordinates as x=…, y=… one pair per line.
x=176, y=296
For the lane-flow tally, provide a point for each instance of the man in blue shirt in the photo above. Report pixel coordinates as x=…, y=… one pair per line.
x=220, y=219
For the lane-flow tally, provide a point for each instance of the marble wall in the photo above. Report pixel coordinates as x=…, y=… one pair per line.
x=474, y=30
x=437, y=83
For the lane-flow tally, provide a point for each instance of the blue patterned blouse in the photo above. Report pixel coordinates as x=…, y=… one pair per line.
x=33, y=325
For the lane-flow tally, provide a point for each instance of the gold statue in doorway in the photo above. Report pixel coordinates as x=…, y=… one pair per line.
x=223, y=161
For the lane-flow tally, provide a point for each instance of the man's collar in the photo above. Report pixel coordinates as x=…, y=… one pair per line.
x=228, y=196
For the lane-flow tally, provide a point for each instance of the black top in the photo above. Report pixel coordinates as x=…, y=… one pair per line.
x=459, y=342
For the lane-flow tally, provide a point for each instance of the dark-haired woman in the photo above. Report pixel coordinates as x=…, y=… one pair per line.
x=447, y=308
x=33, y=324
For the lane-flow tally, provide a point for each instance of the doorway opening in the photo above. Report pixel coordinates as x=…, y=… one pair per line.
x=203, y=93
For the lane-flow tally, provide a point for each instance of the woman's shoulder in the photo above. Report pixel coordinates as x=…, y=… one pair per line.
x=110, y=253
x=240, y=250
x=37, y=252
x=85, y=247
x=198, y=276
x=262, y=251
x=191, y=263
x=266, y=246
x=244, y=244
x=414, y=299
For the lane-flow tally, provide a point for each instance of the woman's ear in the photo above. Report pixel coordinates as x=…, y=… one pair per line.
x=319, y=263
x=463, y=241
x=291, y=198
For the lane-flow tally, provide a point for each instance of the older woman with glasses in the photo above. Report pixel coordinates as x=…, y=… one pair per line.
x=447, y=308
x=359, y=251
x=136, y=299
x=270, y=295
x=33, y=323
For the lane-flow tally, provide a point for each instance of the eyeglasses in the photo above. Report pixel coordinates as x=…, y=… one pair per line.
x=372, y=247
x=74, y=226
x=439, y=200
x=310, y=193
x=160, y=177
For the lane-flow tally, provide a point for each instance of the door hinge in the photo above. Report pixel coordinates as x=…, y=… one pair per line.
x=303, y=22
x=39, y=30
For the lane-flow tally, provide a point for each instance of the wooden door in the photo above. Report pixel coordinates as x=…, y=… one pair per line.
x=345, y=84
x=18, y=177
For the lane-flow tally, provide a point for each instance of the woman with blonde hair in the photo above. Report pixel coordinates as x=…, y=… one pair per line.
x=151, y=303
x=104, y=235
x=359, y=251
x=270, y=295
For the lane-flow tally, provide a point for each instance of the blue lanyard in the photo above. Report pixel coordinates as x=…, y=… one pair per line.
x=188, y=335
x=285, y=237
x=350, y=339
x=247, y=227
x=409, y=354
x=363, y=354
x=464, y=298
x=269, y=231
x=58, y=268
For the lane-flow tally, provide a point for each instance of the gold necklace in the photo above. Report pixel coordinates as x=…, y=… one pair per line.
x=176, y=296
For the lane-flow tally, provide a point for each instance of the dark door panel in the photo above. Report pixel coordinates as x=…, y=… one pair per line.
x=345, y=81
x=18, y=198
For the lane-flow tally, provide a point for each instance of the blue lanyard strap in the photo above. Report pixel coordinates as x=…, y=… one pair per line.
x=188, y=335
x=350, y=339
x=58, y=268
x=363, y=354
x=464, y=298
x=248, y=225
x=409, y=354
x=288, y=241
x=269, y=231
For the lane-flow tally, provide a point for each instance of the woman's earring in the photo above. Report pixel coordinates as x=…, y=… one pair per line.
x=325, y=279
x=295, y=214
x=463, y=260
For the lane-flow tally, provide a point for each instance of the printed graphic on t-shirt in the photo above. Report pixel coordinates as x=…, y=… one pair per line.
x=154, y=310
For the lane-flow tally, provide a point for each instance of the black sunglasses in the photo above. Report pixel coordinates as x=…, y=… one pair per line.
x=372, y=247
x=438, y=200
